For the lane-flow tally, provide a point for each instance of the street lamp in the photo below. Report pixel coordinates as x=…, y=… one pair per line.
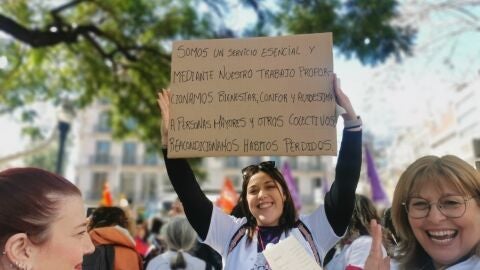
x=65, y=116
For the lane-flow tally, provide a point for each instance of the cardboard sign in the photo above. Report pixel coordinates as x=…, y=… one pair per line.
x=253, y=97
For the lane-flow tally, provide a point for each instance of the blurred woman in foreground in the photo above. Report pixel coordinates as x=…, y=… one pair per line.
x=42, y=221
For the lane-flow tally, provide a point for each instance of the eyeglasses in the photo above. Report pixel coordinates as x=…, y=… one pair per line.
x=265, y=165
x=452, y=206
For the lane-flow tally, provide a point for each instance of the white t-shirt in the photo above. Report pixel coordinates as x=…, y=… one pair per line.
x=472, y=263
x=162, y=261
x=354, y=254
x=245, y=257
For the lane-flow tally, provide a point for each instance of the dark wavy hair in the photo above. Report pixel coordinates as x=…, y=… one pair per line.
x=30, y=201
x=107, y=216
x=289, y=212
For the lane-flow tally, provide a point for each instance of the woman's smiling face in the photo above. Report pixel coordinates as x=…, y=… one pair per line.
x=265, y=199
x=446, y=239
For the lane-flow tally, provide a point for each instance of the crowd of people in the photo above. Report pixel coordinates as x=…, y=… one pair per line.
x=433, y=223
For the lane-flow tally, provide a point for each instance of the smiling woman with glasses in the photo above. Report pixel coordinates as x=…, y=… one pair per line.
x=266, y=202
x=436, y=212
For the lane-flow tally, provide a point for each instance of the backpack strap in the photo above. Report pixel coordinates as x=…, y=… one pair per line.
x=309, y=238
x=103, y=258
x=237, y=236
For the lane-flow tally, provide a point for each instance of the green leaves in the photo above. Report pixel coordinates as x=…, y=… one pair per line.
x=118, y=50
x=363, y=29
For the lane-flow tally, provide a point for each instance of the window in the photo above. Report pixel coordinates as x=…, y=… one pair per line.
x=149, y=186
x=150, y=157
x=315, y=163
x=103, y=124
x=102, y=152
x=476, y=148
x=129, y=153
x=130, y=124
x=236, y=180
x=254, y=160
x=232, y=162
x=318, y=182
x=293, y=162
x=127, y=185
x=99, y=179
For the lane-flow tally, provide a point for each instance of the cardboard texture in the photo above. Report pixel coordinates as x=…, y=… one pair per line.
x=253, y=97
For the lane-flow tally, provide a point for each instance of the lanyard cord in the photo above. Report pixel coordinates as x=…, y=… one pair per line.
x=260, y=238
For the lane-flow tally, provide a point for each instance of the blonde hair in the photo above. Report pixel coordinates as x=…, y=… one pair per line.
x=440, y=171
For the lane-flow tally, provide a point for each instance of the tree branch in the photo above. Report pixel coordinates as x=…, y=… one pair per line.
x=35, y=38
x=38, y=39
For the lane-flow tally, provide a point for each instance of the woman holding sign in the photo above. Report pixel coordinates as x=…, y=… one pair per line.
x=270, y=215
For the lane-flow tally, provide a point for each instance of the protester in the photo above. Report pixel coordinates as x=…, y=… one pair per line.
x=267, y=203
x=156, y=225
x=108, y=229
x=141, y=237
x=180, y=238
x=42, y=221
x=200, y=250
x=436, y=213
x=157, y=244
x=391, y=238
x=355, y=245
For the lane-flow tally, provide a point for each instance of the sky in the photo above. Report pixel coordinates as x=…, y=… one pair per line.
x=11, y=140
x=389, y=96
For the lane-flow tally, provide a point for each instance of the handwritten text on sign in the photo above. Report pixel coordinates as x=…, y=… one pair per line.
x=255, y=96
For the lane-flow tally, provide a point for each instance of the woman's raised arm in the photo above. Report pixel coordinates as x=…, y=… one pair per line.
x=198, y=208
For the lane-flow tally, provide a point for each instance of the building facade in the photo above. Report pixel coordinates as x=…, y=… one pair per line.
x=454, y=129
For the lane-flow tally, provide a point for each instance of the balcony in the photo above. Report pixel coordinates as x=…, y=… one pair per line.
x=101, y=159
x=99, y=128
x=150, y=160
x=129, y=160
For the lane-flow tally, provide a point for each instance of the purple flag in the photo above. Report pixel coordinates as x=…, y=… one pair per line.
x=287, y=174
x=378, y=194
